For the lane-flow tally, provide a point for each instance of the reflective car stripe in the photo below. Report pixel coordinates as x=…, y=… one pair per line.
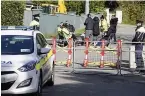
x=43, y=60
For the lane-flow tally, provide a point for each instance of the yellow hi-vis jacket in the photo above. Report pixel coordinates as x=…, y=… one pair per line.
x=34, y=23
x=104, y=25
x=64, y=32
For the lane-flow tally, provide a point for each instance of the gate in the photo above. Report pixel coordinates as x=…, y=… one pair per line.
x=102, y=57
x=117, y=57
x=62, y=52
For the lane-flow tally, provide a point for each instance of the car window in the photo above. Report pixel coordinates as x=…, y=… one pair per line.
x=17, y=44
x=43, y=40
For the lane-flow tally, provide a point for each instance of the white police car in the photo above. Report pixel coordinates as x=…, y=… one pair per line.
x=27, y=61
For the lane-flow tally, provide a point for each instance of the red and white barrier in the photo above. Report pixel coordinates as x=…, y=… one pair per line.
x=119, y=47
x=86, y=52
x=69, y=52
x=54, y=48
x=102, y=54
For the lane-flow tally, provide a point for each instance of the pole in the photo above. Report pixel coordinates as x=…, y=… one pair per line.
x=87, y=7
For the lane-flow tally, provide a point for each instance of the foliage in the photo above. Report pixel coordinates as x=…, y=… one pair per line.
x=78, y=6
x=39, y=2
x=12, y=13
x=97, y=6
x=132, y=11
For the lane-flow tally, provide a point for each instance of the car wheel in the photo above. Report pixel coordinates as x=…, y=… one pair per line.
x=39, y=90
x=50, y=82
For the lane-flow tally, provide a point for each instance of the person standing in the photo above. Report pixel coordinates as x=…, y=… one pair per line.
x=35, y=23
x=113, y=27
x=89, y=23
x=96, y=29
x=139, y=37
x=103, y=26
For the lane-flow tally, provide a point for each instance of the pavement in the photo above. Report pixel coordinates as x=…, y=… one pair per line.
x=97, y=82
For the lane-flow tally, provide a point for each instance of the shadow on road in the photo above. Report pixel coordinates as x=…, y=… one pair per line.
x=97, y=84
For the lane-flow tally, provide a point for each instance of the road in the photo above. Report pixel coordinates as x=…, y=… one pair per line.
x=95, y=82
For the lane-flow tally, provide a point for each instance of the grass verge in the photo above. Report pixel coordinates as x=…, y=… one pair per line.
x=78, y=32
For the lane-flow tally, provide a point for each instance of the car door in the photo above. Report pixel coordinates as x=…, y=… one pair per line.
x=45, y=66
x=48, y=65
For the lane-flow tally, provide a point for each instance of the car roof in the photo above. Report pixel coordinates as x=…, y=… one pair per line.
x=19, y=32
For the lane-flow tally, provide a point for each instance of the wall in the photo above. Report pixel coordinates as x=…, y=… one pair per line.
x=48, y=23
x=28, y=16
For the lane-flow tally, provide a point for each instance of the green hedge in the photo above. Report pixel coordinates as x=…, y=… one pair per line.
x=132, y=11
x=12, y=13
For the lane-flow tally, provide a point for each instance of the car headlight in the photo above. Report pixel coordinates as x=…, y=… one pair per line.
x=28, y=67
x=25, y=83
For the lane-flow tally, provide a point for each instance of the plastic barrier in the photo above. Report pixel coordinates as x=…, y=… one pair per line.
x=102, y=50
x=67, y=49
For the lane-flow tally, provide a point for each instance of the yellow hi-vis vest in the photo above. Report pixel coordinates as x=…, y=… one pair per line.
x=104, y=25
x=64, y=32
x=34, y=23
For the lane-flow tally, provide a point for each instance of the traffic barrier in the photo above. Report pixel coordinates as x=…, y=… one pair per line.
x=102, y=50
x=118, y=57
x=119, y=53
x=69, y=52
x=102, y=54
x=66, y=49
x=54, y=48
x=86, y=52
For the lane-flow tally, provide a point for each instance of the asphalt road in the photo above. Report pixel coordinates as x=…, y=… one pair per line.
x=97, y=83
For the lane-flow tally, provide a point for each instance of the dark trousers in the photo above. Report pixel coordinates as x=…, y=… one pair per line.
x=138, y=55
x=74, y=37
x=113, y=36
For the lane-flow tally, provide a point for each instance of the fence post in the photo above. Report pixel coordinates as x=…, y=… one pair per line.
x=86, y=52
x=74, y=42
x=69, y=52
x=102, y=54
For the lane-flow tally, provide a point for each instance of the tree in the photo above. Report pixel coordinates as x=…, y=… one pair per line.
x=97, y=6
x=132, y=11
x=112, y=5
x=12, y=13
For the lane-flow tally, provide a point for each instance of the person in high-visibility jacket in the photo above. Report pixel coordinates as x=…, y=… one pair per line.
x=103, y=26
x=35, y=23
x=63, y=32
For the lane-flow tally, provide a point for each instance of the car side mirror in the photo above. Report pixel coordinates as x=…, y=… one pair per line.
x=44, y=51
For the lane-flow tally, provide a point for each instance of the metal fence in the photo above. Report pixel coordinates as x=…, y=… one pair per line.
x=117, y=57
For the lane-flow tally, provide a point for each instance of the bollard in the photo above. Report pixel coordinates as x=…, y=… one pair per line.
x=54, y=48
x=132, y=63
x=69, y=52
x=102, y=54
x=86, y=52
x=119, y=47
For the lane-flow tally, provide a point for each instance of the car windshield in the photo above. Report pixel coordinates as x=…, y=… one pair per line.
x=16, y=44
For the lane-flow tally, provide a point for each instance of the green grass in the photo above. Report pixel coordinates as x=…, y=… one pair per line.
x=78, y=32
x=48, y=36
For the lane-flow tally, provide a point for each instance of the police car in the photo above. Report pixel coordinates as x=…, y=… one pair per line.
x=27, y=61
